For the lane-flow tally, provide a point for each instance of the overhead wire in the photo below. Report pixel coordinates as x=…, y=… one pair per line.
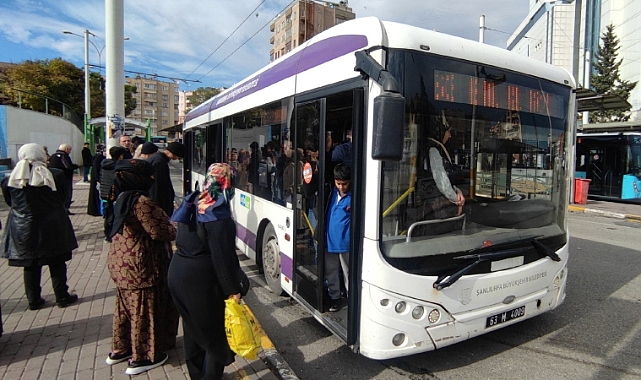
x=243, y=44
x=225, y=40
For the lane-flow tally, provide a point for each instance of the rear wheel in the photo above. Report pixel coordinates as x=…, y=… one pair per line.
x=271, y=260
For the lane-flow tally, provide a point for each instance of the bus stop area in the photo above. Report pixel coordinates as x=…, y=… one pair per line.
x=73, y=342
x=610, y=209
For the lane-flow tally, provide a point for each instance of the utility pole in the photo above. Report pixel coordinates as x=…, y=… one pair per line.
x=115, y=73
x=482, y=29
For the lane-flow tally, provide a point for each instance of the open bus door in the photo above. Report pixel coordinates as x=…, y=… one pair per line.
x=322, y=125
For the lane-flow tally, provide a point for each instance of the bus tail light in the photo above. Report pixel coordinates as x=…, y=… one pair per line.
x=434, y=316
x=417, y=312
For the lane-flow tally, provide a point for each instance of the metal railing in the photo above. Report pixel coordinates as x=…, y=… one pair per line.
x=52, y=107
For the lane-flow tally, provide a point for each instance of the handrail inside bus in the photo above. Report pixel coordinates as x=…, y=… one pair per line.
x=398, y=201
x=408, y=239
x=309, y=224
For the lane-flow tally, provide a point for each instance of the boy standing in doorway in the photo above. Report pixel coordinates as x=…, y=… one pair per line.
x=338, y=234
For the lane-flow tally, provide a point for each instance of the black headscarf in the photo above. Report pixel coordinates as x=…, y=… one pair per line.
x=133, y=178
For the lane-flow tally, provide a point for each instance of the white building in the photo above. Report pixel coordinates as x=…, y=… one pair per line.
x=567, y=33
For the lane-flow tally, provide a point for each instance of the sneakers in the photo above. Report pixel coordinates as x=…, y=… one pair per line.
x=117, y=358
x=37, y=305
x=71, y=298
x=135, y=368
x=336, y=305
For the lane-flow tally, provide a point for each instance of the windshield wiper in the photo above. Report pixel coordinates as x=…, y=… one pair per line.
x=444, y=281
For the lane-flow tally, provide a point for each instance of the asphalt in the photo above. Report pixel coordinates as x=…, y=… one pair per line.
x=73, y=342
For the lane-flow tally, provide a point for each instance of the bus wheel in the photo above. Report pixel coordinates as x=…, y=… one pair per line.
x=271, y=260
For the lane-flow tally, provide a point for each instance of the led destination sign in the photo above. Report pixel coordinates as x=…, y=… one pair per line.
x=467, y=89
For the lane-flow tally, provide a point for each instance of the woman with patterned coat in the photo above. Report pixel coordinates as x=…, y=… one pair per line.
x=145, y=320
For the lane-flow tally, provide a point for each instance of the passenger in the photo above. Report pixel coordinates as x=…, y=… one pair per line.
x=38, y=230
x=204, y=273
x=145, y=320
x=162, y=190
x=94, y=201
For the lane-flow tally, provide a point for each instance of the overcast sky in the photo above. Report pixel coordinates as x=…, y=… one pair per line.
x=173, y=38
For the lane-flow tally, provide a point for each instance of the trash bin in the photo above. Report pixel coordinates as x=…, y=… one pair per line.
x=581, y=186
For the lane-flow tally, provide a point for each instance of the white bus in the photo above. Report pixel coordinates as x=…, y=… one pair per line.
x=419, y=279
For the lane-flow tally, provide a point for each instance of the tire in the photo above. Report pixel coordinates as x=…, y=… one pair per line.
x=271, y=260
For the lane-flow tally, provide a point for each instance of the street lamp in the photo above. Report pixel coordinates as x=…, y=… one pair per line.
x=87, y=126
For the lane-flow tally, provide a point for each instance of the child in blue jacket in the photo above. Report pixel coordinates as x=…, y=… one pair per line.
x=338, y=233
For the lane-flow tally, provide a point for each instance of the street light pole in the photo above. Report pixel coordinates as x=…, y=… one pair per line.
x=87, y=125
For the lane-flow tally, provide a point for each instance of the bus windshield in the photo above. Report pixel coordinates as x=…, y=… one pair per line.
x=484, y=163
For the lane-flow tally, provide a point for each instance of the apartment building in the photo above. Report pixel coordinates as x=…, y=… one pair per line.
x=302, y=20
x=567, y=33
x=157, y=101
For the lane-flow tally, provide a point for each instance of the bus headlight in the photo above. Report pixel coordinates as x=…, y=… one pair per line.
x=398, y=339
x=384, y=302
x=559, y=278
x=434, y=316
x=418, y=312
x=400, y=307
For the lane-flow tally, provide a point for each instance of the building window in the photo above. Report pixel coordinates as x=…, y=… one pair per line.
x=176, y=98
x=165, y=122
x=150, y=86
x=165, y=88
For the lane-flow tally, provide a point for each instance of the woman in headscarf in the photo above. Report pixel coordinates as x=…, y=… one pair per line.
x=94, y=203
x=145, y=320
x=38, y=230
x=204, y=272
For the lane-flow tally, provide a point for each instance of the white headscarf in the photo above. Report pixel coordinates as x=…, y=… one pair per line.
x=31, y=169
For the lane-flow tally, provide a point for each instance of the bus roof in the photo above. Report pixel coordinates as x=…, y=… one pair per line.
x=329, y=58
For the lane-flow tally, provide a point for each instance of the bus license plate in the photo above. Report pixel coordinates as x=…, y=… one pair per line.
x=497, y=319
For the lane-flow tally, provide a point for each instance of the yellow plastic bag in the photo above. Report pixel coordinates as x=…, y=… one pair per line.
x=243, y=331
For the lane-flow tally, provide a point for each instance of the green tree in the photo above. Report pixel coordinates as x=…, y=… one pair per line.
x=29, y=81
x=201, y=95
x=606, y=80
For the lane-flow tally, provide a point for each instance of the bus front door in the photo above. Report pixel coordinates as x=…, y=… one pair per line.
x=309, y=218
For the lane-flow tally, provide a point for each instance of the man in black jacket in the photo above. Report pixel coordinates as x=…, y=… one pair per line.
x=162, y=191
x=87, y=161
x=61, y=160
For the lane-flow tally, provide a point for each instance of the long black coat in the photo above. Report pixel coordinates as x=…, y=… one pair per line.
x=38, y=226
x=162, y=191
x=93, y=204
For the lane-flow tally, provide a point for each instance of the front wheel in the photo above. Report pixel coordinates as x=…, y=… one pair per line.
x=271, y=260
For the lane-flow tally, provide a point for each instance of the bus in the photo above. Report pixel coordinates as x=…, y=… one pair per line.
x=380, y=90
x=159, y=141
x=611, y=160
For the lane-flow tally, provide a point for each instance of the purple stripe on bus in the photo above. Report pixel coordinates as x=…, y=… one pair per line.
x=312, y=56
x=249, y=238
x=286, y=266
x=246, y=236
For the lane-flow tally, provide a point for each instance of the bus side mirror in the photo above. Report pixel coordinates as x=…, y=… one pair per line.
x=389, y=114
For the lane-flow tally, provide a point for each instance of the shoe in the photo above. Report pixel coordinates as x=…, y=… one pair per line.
x=135, y=368
x=115, y=359
x=37, y=305
x=71, y=298
x=336, y=305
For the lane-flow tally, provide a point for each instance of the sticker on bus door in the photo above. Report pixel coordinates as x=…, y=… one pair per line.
x=307, y=173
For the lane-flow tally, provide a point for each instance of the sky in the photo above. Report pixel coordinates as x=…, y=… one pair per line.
x=214, y=42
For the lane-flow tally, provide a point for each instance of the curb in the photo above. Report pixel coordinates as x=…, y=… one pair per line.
x=607, y=214
x=277, y=364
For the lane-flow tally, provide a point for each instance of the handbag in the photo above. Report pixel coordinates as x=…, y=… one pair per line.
x=243, y=331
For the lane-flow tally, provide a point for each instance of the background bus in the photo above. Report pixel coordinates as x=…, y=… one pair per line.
x=418, y=281
x=159, y=141
x=610, y=156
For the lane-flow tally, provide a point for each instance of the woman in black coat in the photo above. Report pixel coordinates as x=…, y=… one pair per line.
x=204, y=272
x=38, y=230
x=93, y=205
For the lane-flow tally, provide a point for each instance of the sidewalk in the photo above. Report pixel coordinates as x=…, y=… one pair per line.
x=72, y=343
x=609, y=209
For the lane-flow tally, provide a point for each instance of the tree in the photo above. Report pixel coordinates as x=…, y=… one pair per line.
x=30, y=81
x=607, y=80
x=57, y=79
x=202, y=94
